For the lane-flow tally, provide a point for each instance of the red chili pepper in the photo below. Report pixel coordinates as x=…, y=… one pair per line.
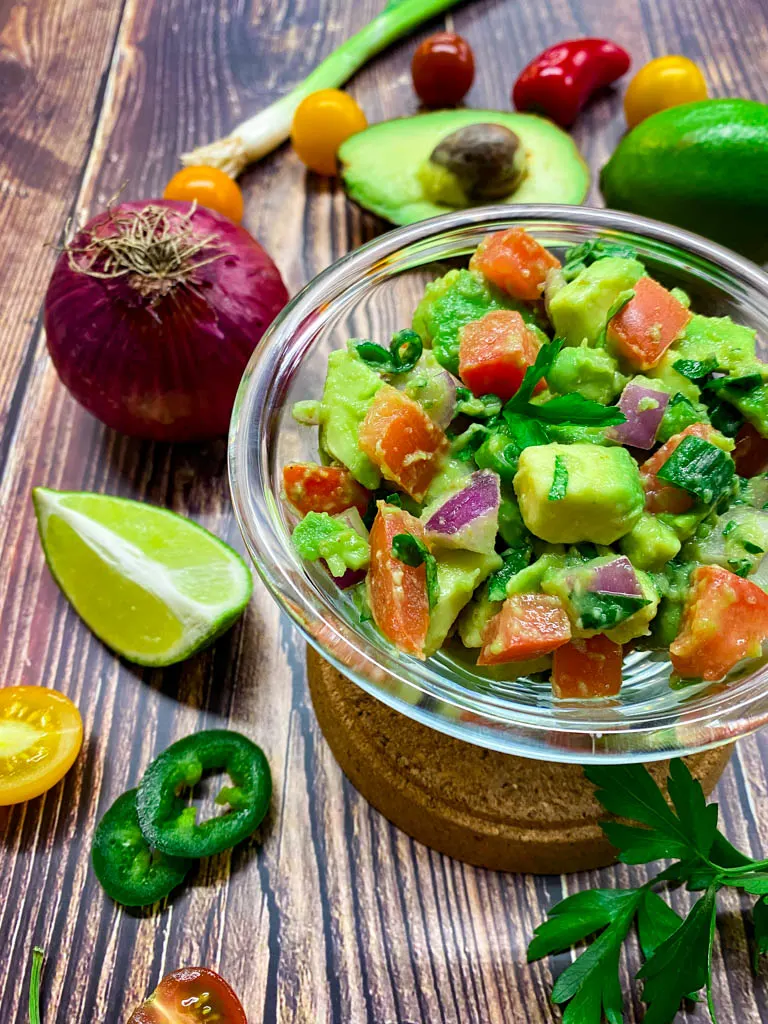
x=561, y=79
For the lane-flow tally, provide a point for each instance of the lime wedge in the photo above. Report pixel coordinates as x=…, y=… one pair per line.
x=155, y=587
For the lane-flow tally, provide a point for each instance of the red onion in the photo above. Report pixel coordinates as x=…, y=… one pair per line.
x=152, y=314
x=469, y=518
x=641, y=426
x=616, y=577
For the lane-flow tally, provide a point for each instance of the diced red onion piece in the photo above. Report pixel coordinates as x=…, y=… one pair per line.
x=352, y=518
x=642, y=424
x=349, y=579
x=468, y=518
x=438, y=396
x=616, y=577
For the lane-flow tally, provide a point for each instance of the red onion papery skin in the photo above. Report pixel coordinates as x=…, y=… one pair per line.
x=162, y=359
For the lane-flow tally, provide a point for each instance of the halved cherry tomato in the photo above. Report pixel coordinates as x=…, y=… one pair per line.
x=528, y=626
x=191, y=995
x=659, y=495
x=587, y=668
x=397, y=593
x=207, y=186
x=515, y=262
x=642, y=331
x=332, y=489
x=41, y=733
x=400, y=438
x=725, y=619
x=442, y=68
x=494, y=353
x=662, y=83
x=751, y=452
x=323, y=120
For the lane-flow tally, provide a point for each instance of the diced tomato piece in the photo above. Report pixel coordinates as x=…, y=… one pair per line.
x=661, y=496
x=643, y=330
x=527, y=626
x=751, y=452
x=332, y=489
x=400, y=438
x=587, y=668
x=514, y=261
x=494, y=353
x=397, y=593
x=725, y=619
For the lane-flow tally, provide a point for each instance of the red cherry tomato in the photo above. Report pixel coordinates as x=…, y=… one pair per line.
x=191, y=995
x=443, y=69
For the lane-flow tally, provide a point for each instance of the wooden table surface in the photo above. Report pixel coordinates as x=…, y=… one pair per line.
x=330, y=914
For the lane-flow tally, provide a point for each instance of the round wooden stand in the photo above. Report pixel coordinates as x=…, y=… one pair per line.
x=486, y=808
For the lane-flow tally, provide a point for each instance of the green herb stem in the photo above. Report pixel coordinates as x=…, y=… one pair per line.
x=38, y=955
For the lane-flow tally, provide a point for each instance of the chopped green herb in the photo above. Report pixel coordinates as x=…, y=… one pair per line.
x=515, y=559
x=465, y=444
x=753, y=549
x=559, y=480
x=404, y=352
x=700, y=468
x=722, y=415
x=729, y=527
x=745, y=384
x=740, y=566
x=414, y=552
x=525, y=432
x=580, y=256
x=604, y=611
x=695, y=369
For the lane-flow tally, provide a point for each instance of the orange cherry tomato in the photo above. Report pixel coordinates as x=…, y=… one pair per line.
x=664, y=82
x=323, y=120
x=41, y=733
x=209, y=187
x=442, y=69
x=191, y=995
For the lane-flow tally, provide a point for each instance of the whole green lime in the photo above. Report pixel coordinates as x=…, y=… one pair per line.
x=701, y=165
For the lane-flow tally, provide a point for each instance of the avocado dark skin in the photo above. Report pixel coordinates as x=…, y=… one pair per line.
x=702, y=166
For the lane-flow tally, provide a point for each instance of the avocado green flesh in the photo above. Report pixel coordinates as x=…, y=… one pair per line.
x=379, y=166
x=701, y=166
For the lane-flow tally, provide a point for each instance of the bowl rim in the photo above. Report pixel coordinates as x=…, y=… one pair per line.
x=300, y=593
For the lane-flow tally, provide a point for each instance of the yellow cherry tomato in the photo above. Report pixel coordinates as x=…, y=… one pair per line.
x=323, y=120
x=209, y=187
x=664, y=82
x=41, y=733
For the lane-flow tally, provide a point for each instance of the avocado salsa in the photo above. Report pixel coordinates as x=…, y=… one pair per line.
x=552, y=464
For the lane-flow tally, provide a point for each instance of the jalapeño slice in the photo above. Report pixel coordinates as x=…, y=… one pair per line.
x=129, y=871
x=169, y=824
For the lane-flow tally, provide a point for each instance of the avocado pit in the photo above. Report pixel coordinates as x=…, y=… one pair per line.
x=474, y=163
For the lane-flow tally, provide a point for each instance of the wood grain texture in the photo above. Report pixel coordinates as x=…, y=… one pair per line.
x=329, y=914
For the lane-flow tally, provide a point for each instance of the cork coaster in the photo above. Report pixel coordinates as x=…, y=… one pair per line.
x=490, y=809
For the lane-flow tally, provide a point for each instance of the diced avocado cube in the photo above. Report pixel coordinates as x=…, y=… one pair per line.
x=451, y=476
x=349, y=389
x=708, y=337
x=602, y=497
x=475, y=617
x=665, y=375
x=528, y=580
x=591, y=372
x=580, y=311
x=459, y=574
x=650, y=544
x=320, y=535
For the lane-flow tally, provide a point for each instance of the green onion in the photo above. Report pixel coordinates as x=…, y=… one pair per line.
x=265, y=131
x=753, y=549
x=746, y=383
x=559, y=480
x=515, y=559
x=695, y=369
x=414, y=552
x=603, y=611
x=740, y=566
x=38, y=955
x=700, y=468
x=729, y=527
x=722, y=415
x=404, y=352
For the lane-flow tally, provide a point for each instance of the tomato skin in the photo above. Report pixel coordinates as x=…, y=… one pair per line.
x=397, y=593
x=515, y=262
x=443, y=69
x=650, y=322
x=587, y=668
x=323, y=120
x=41, y=733
x=659, y=495
x=528, y=626
x=664, y=82
x=395, y=430
x=725, y=619
x=751, y=452
x=313, y=488
x=191, y=995
x=209, y=187
x=494, y=353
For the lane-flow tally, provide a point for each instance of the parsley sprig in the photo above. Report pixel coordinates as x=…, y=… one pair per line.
x=677, y=952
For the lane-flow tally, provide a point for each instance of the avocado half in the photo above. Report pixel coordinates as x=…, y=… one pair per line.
x=379, y=166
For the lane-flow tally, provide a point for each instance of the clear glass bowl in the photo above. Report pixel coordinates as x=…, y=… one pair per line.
x=370, y=294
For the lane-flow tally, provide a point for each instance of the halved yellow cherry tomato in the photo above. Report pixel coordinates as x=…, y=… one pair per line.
x=209, y=187
x=323, y=120
x=664, y=82
x=41, y=733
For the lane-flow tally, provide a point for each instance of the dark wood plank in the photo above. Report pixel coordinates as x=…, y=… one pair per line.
x=330, y=914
